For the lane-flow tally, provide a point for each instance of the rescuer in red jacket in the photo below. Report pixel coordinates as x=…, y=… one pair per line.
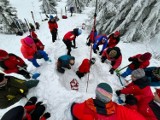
x=70, y=37
x=85, y=67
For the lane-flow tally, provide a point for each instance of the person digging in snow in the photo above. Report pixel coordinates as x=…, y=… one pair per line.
x=53, y=26
x=85, y=67
x=114, y=55
x=140, y=89
x=30, y=52
x=32, y=110
x=12, y=89
x=92, y=36
x=69, y=37
x=138, y=61
x=102, y=107
x=114, y=39
x=100, y=40
x=65, y=61
x=34, y=36
x=10, y=63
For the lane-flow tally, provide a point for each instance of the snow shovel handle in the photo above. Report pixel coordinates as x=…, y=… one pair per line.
x=122, y=68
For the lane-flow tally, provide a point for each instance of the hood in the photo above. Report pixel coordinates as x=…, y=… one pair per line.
x=142, y=82
x=101, y=108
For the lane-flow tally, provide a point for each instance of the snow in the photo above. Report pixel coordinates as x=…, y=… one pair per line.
x=54, y=88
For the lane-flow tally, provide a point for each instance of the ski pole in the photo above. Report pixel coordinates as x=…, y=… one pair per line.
x=33, y=17
x=120, y=80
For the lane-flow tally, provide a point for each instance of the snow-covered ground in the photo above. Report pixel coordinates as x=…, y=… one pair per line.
x=54, y=88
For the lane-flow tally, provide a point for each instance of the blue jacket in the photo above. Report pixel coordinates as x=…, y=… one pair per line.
x=98, y=42
x=64, y=59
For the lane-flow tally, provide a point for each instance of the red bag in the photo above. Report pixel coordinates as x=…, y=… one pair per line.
x=74, y=84
x=64, y=17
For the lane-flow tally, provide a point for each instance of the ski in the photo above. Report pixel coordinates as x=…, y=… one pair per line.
x=27, y=24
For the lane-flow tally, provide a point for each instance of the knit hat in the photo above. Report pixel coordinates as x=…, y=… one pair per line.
x=146, y=56
x=28, y=40
x=156, y=72
x=3, y=54
x=104, y=92
x=51, y=17
x=158, y=92
x=117, y=33
x=138, y=73
x=15, y=113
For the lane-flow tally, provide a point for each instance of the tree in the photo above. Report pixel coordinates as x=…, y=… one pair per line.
x=8, y=17
x=48, y=6
x=78, y=4
x=136, y=19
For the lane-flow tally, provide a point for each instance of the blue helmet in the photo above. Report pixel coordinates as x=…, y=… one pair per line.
x=51, y=17
x=79, y=31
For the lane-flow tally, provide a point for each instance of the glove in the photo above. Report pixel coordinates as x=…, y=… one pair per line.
x=132, y=59
x=47, y=115
x=38, y=104
x=118, y=92
x=100, y=53
x=131, y=100
x=111, y=70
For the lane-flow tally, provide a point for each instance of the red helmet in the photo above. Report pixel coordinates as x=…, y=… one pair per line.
x=3, y=54
x=117, y=33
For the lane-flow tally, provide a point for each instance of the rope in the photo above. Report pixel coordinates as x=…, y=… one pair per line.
x=94, y=26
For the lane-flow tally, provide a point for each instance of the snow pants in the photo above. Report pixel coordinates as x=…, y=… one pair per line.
x=127, y=72
x=42, y=54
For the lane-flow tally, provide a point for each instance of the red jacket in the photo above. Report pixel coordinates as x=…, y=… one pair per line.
x=29, y=109
x=10, y=65
x=144, y=96
x=53, y=25
x=117, y=61
x=69, y=36
x=113, y=41
x=87, y=111
x=28, y=51
x=141, y=64
x=85, y=66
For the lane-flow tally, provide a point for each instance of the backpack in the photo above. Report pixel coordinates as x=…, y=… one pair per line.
x=155, y=108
